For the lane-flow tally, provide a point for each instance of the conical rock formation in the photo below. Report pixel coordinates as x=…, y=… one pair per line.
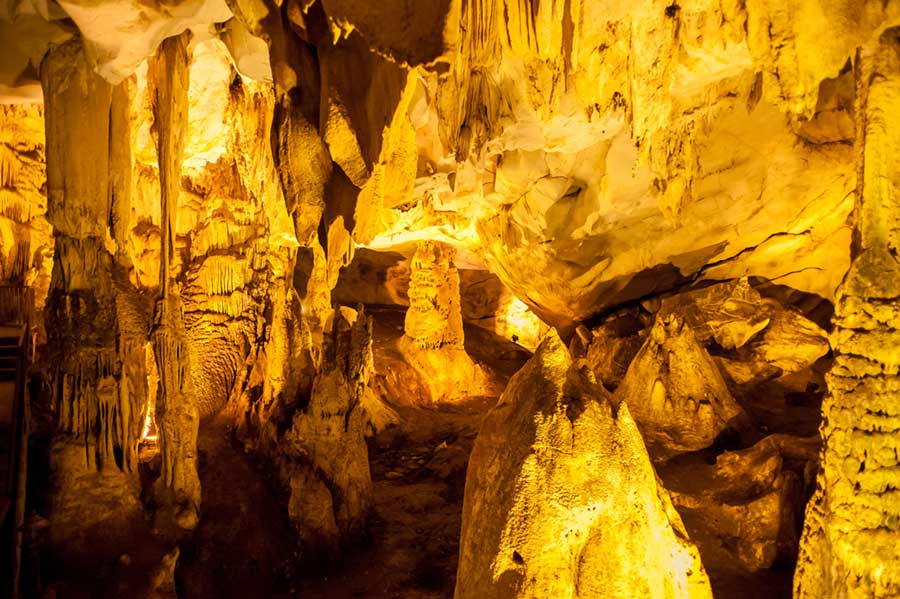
x=676, y=392
x=562, y=500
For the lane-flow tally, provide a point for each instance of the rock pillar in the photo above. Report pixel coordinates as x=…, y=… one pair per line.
x=95, y=326
x=851, y=540
x=434, y=343
x=176, y=411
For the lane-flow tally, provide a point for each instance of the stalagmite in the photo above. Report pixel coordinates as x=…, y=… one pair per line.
x=434, y=318
x=562, y=500
x=850, y=547
x=176, y=413
x=331, y=487
x=676, y=392
x=434, y=342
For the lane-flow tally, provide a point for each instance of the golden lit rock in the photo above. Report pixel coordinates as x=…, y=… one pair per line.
x=698, y=196
x=562, y=500
x=849, y=546
x=675, y=391
x=433, y=343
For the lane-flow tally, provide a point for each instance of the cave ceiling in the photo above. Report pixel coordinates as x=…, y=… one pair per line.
x=587, y=153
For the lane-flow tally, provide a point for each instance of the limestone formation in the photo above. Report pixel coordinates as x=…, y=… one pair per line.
x=687, y=191
x=96, y=321
x=562, y=500
x=611, y=347
x=177, y=416
x=331, y=487
x=434, y=343
x=675, y=391
x=434, y=318
x=761, y=338
x=849, y=547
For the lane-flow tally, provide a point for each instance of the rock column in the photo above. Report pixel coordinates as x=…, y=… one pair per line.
x=851, y=540
x=94, y=322
x=434, y=318
x=176, y=411
x=434, y=344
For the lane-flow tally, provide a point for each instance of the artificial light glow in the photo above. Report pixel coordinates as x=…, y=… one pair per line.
x=149, y=432
x=519, y=323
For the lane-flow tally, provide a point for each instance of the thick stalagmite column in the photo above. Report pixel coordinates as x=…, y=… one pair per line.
x=434, y=341
x=434, y=318
x=176, y=413
x=95, y=329
x=851, y=540
x=562, y=501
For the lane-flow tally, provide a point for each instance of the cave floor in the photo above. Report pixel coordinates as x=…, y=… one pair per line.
x=243, y=545
x=418, y=467
x=418, y=471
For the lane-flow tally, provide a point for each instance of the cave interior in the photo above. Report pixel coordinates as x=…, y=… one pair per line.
x=469, y=299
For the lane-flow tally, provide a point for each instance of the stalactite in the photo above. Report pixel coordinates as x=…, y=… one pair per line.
x=9, y=167
x=88, y=330
x=120, y=168
x=301, y=157
x=849, y=548
x=176, y=413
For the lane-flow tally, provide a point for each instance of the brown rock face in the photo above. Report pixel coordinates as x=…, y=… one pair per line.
x=562, y=501
x=762, y=338
x=745, y=510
